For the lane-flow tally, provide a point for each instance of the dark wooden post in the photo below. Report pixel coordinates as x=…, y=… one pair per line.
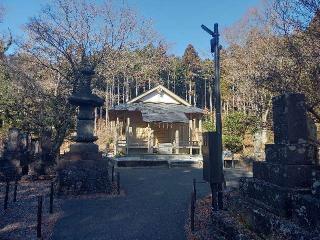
x=112, y=174
x=15, y=190
x=51, y=198
x=194, y=188
x=192, y=208
x=39, y=216
x=118, y=183
x=6, y=197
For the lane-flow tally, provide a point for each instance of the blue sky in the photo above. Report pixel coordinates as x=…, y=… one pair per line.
x=177, y=21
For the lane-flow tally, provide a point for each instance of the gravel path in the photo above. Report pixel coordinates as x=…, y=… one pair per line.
x=19, y=220
x=155, y=206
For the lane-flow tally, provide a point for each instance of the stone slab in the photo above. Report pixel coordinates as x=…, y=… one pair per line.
x=316, y=181
x=290, y=119
x=274, y=198
x=307, y=211
x=290, y=153
x=83, y=152
x=84, y=147
x=268, y=225
x=292, y=176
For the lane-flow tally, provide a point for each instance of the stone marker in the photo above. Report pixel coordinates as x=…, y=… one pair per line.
x=83, y=170
x=42, y=149
x=25, y=147
x=10, y=162
x=285, y=186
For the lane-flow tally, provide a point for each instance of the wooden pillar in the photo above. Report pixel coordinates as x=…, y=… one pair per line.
x=190, y=136
x=200, y=136
x=127, y=135
x=177, y=140
x=149, y=138
x=116, y=136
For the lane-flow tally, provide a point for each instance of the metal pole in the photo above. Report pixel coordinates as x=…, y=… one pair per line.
x=218, y=108
x=194, y=188
x=6, y=197
x=217, y=91
x=216, y=187
x=118, y=183
x=39, y=216
x=112, y=173
x=51, y=198
x=192, y=209
x=15, y=190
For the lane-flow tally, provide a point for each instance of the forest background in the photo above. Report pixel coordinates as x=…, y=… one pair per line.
x=274, y=48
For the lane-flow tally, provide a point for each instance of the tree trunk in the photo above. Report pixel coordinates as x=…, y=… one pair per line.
x=190, y=88
x=210, y=99
x=95, y=120
x=127, y=89
x=106, y=105
x=118, y=91
x=123, y=91
x=112, y=91
x=136, y=87
x=205, y=93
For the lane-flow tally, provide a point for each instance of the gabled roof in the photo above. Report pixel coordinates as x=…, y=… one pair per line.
x=160, y=88
x=159, y=112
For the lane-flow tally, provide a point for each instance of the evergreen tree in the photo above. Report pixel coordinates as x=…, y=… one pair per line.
x=191, y=65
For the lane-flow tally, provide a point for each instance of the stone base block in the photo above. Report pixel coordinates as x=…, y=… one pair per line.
x=292, y=176
x=307, y=211
x=266, y=224
x=272, y=197
x=316, y=181
x=82, y=177
x=84, y=147
x=83, y=152
x=291, y=153
x=10, y=166
x=10, y=169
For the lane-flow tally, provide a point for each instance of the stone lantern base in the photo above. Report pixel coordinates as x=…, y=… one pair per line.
x=83, y=171
x=83, y=151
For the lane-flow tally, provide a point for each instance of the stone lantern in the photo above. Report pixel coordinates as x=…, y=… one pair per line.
x=83, y=170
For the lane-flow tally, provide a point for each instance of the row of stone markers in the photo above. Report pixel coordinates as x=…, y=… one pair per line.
x=23, y=155
x=83, y=169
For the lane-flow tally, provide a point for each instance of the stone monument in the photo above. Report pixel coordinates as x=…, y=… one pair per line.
x=25, y=151
x=83, y=170
x=281, y=198
x=10, y=162
x=46, y=161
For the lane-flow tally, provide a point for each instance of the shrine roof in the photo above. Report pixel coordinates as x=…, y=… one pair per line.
x=159, y=112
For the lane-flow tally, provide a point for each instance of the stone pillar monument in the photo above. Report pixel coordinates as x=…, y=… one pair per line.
x=282, y=194
x=83, y=169
x=9, y=164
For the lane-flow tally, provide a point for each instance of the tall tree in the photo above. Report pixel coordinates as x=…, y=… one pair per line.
x=191, y=64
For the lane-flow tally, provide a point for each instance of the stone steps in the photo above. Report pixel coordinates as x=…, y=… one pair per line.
x=157, y=160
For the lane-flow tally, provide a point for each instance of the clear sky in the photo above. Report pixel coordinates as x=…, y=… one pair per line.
x=178, y=21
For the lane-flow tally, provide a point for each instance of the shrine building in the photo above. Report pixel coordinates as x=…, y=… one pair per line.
x=158, y=122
